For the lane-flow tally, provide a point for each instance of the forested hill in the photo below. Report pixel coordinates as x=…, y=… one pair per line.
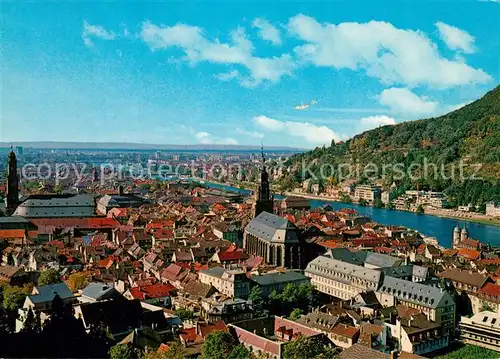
x=470, y=134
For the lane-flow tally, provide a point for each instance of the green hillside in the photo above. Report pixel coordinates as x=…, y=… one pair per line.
x=469, y=135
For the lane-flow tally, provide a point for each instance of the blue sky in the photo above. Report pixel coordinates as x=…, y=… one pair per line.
x=282, y=73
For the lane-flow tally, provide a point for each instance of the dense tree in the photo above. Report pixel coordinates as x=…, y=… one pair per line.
x=428, y=154
x=295, y=314
x=292, y=297
x=77, y=281
x=185, y=314
x=175, y=351
x=49, y=276
x=121, y=351
x=307, y=347
x=469, y=352
x=14, y=296
x=257, y=298
x=221, y=344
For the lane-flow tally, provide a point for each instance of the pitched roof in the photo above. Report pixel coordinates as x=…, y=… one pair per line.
x=357, y=351
x=474, y=279
x=424, y=295
x=47, y=293
x=265, y=226
x=152, y=291
x=344, y=268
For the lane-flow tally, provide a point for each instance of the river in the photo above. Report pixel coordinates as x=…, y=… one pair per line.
x=432, y=226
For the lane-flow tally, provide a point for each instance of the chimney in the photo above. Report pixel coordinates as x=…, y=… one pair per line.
x=120, y=190
x=393, y=355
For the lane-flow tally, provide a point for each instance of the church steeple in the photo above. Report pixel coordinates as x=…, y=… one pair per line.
x=263, y=197
x=12, y=183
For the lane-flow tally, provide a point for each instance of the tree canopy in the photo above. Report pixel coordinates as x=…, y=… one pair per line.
x=49, y=276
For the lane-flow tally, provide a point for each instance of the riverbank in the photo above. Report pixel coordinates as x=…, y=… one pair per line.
x=476, y=218
x=439, y=227
x=444, y=213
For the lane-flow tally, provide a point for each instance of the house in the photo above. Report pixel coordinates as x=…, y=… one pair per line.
x=219, y=308
x=156, y=294
x=436, y=303
x=267, y=336
x=420, y=336
x=344, y=335
x=229, y=257
x=42, y=296
x=233, y=283
x=95, y=292
x=12, y=275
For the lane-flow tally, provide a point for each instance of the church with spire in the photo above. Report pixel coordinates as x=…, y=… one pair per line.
x=12, y=184
x=264, y=201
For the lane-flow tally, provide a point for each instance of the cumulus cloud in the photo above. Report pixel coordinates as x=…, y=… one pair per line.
x=95, y=31
x=383, y=51
x=197, y=47
x=252, y=134
x=405, y=102
x=227, y=76
x=267, y=31
x=206, y=138
x=376, y=121
x=306, y=130
x=455, y=38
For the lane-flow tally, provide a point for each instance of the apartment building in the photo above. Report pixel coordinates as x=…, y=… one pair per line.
x=341, y=279
x=434, y=302
x=233, y=283
x=482, y=329
x=368, y=193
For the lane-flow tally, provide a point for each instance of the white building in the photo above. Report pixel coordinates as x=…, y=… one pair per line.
x=492, y=209
x=233, y=283
x=482, y=329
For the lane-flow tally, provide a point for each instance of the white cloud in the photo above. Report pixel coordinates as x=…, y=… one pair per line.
x=405, y=102
x=385, y=52
x=267, y=31
x=206, y=138
x=376, y=121
x=227, y=76
x=455, y=38
x=95, y=31
x=252, y=134
x=308, y=131
x=197, y=48
x=302, y=107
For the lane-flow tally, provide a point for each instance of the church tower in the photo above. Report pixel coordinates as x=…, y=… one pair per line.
x=464, y=234
x=12, y=184
x=263, y=198
x=456, y=236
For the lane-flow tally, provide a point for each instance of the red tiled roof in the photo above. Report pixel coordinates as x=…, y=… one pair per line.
x=152, y=291
x=206, y=329
x=232, y=256
x=188, y=334
x=12, y=233
x=90, y=222
x=345, y=330
x=469, y=253
x=490, y=289
x=330, y=243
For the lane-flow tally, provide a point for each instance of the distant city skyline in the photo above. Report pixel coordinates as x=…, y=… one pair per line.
x=284, y=74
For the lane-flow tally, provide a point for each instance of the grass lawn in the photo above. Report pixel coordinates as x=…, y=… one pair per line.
x=470, y=352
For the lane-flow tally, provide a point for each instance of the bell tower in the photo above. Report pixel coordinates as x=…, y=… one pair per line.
x=12, y=183
x=263, y=198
